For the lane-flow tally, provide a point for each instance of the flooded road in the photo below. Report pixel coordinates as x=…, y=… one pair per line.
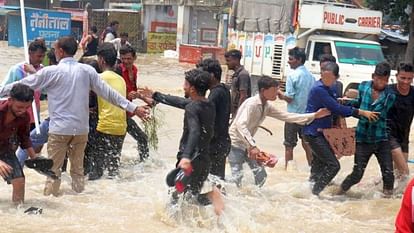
x=137, y=201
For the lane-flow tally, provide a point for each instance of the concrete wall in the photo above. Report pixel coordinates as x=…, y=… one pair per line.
x=203, y=26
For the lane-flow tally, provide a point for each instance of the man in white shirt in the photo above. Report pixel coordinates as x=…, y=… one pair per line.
x=119, y=42
x=250, y=115
x=67, y=85
x=110, y=32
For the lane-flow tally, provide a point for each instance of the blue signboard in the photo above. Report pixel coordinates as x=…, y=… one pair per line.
x=49, y=25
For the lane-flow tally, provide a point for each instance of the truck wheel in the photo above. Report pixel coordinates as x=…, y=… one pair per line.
x=351, y=86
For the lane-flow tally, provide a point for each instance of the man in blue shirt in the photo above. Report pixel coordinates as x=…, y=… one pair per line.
x=298, y=86
x=373, y=137
x=325, y=165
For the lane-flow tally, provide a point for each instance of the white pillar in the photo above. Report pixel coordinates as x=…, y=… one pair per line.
x=183, y=21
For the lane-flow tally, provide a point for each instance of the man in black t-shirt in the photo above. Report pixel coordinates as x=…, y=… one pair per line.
x=240, y=83
x=199, y=124
x=220, y=96
x=400, y=118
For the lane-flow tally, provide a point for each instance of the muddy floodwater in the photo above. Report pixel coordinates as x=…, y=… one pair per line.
x=138, y=200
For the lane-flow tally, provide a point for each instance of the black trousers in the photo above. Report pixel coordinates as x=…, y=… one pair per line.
x=325, y=165
x=382, y=151
x=106, y=155
x=218, y=154
x=90, y=146
x=142, y=139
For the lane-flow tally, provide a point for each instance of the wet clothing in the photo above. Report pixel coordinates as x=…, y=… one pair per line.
x=298, y=85
x=92, y=136
x=400, y=117
x=382, y=151
x=110, y=133
x=17, y=73
x=58, y=147
x=67, y=85
x=112, y=119
x=14, y=133
x=237, y=157
x=248, y=119
x=133, y=128
x=38, y=140
x=324, y=165
x=252, y=113
x=106, y=154
x=240, y=82
x=195, y=141
x=92, y=47
x=372, y=137
x=198, y=129
x=220, y=143
x=139, y=135
x=322, y=96
x=11, y=159
x=373, y=132
x=404, y=223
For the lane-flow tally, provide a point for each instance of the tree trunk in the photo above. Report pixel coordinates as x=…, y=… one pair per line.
x=409, y=52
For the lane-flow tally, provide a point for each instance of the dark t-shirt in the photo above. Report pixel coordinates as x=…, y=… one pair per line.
x=92, y=47
x=220, y=96
x=198, y=129
x=240, y=82
x=400, y=116
x=15, y=133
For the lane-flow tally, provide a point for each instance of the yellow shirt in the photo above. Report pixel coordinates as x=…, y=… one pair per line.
x=112, y=119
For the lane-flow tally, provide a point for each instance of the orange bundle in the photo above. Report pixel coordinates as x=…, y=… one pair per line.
x=266, y=159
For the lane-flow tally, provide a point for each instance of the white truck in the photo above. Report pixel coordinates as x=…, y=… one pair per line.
x=346, y=32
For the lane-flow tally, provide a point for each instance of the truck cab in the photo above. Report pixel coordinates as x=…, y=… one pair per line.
x=356, y=58
x=346, y=31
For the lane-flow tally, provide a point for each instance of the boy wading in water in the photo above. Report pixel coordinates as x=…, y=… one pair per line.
x=198, y=130
x=14, y=131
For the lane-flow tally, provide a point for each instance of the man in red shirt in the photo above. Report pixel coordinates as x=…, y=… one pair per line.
x=404, y=223
x=14, y=132
x=129, y=72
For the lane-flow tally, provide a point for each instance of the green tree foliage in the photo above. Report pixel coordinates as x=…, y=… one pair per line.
x=393, y=10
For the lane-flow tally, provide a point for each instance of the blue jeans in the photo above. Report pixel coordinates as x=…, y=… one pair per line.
x=38, y=140
x=237, y=157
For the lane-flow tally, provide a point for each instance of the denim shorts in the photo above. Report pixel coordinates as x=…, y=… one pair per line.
x=11, y=159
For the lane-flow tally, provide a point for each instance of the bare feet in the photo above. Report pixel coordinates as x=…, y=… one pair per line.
x=216, y=200
x=340, y=191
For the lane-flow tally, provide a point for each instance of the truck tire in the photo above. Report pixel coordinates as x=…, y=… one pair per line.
x=351, y=86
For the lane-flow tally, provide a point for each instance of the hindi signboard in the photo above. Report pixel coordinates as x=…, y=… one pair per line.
x=47, y=24
x=157, y=42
